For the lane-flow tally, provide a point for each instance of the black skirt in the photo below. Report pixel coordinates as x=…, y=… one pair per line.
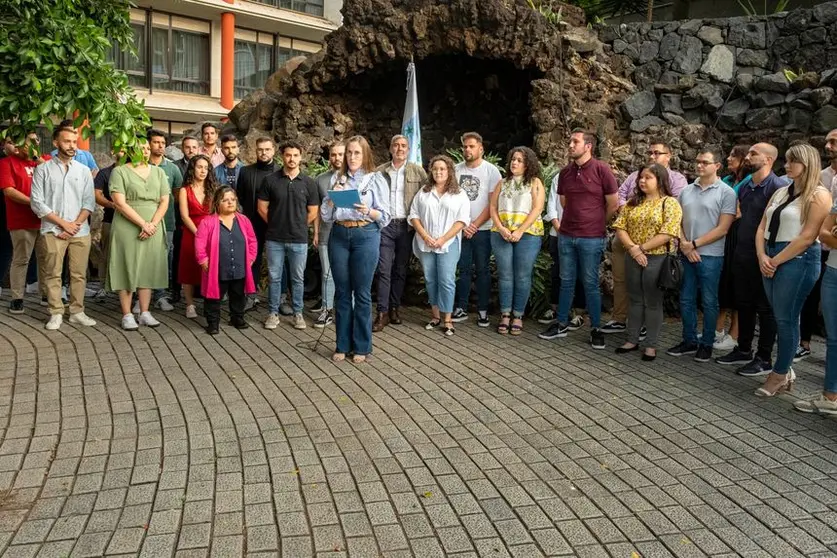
x=726, y=292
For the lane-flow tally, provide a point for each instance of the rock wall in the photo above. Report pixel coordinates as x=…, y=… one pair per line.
x=723, y=81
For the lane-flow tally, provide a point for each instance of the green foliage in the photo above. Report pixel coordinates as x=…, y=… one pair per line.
x=53, y=64
x=791, y=76
x=541, y=282
x=750, y=9
x=316, y=168
x=458, y=157
x=597, y=10
x=544, y=7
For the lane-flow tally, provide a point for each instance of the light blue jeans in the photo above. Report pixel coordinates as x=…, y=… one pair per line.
x=440, y=276
x=328, y=280
x=297, y=254
x=515, y=262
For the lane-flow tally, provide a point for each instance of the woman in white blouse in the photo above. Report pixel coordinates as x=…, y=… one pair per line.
x=438, y=213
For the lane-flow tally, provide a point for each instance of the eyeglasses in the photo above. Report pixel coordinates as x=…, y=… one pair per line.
x=657, y=153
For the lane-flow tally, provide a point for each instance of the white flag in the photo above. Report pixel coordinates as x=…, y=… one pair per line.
x=410, y=126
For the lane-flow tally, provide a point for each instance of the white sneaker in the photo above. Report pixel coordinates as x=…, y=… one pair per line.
x=272, y=321
x=299, y=321
x=129, y=323
x=32, y=288
x=191, y=311
x=724, y=342
x=147, y=319
x=80, y=318
x=164, y=304
x=136, y=308
x=54, y=322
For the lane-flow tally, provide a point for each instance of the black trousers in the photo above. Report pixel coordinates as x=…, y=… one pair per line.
x=809, y=320
x=751, y=302
x=235, y=290
x=391, y=277
x=259, y=228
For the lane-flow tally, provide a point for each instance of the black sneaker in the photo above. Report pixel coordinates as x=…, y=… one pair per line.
x=554, y=331
x=575, y=323
x=735, y=357
x=325, y=318
x=16, y=306
x=483, y=321
x=704, y=354
x=756, y=367
x=683, y=348
x=459, y=315
x=613, y=327
x=643, y=333
x=801, y=352
x=597, y=339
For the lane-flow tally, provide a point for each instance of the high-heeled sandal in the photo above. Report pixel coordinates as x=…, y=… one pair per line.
x=787, y=385
x=449, y=330
x=503, y=327
x=516, y=326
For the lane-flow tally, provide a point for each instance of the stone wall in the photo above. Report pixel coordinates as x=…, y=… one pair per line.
x=723, y=81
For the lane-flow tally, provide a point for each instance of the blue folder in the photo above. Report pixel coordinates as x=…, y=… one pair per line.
x=344, y=198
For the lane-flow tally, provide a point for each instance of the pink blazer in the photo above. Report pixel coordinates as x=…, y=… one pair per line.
x=206, y=250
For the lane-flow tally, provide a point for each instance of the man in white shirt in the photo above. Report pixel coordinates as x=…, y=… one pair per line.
x=404, y=180
x=62, y=197
x=477, y=178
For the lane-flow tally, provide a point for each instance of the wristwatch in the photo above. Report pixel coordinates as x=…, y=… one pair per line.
x=695, y=244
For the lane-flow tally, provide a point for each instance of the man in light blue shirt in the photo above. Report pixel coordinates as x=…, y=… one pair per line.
x=62, y=197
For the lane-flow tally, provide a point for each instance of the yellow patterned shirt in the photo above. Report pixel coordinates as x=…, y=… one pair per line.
x=645, y=221
x=514, y=205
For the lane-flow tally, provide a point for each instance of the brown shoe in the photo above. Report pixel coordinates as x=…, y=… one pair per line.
x=394, y=318
x=380, y=322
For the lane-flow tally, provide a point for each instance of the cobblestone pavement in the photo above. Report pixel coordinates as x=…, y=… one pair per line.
x=168, y=442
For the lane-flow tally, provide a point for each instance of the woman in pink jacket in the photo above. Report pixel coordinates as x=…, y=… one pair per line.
x=225, y=248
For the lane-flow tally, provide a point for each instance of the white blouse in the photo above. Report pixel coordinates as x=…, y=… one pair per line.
x=790, y=223
x=437, y=215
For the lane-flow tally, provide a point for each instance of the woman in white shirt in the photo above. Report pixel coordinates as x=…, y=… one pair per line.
x=438, y=214
x=789, y=257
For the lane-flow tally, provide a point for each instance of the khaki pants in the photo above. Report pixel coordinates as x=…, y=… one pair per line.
x=78, y=249
x=23, y=242
x=620, y=293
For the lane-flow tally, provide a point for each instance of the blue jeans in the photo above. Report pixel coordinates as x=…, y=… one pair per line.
x=475, y=252
x=327, y=279
x=580, y=256
x=515, y=262
x=353, y=255
x=703, y=276
x=786, y=291
x=829, y=313
x=440, y=276
x=297, y=254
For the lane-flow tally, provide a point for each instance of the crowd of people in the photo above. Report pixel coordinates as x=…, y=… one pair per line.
x=749, y=247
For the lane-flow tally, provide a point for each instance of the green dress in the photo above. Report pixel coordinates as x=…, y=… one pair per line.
x=134, y=263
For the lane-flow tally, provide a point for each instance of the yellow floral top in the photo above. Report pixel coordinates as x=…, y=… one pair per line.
x=514, y=206
x=646, y=220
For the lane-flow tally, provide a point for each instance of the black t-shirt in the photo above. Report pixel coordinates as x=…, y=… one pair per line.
x=102, y=182
x=287, y=211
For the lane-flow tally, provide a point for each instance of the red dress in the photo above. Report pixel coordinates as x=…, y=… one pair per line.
x=189, y=272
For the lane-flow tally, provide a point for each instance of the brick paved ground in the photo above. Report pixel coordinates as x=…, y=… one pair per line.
x=169, y=442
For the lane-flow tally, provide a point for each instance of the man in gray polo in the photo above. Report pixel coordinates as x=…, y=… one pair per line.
x=709, y=208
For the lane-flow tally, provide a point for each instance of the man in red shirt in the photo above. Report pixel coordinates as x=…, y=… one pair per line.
x=24, y=226
x=588, y=192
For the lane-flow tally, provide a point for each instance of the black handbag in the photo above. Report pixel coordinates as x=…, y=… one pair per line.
x=671, y=270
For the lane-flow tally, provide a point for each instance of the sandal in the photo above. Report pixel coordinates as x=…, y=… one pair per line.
x=338, y=357
x=503, y=328
x=433, y=324
x=517, y=326
x=359, y=359
x=785, y=385
x=449, y=331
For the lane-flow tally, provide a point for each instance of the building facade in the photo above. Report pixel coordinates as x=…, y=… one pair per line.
x=197, y=58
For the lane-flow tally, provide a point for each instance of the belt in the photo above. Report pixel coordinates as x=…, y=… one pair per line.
x=353, y=224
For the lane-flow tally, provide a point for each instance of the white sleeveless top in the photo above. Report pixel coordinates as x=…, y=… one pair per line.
x=790, y=223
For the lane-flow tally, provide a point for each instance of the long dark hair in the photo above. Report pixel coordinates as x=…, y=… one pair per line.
x=451, y=186
x=210, y=185
x=219, y=195
x=663, y=186
x=739, y=152
x=530, y=162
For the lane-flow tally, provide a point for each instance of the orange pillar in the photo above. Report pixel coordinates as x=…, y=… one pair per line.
x=82, y=143
x=227, y=58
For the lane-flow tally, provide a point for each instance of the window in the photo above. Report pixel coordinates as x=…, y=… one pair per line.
x=287, y=48
x=253, y=61
x=173, y=54
x=314, y=7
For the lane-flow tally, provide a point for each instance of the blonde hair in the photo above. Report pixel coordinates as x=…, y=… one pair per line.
x=806, y=185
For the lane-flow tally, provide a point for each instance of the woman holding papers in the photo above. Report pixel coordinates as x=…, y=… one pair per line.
x=438, y=213
x=353, y=246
